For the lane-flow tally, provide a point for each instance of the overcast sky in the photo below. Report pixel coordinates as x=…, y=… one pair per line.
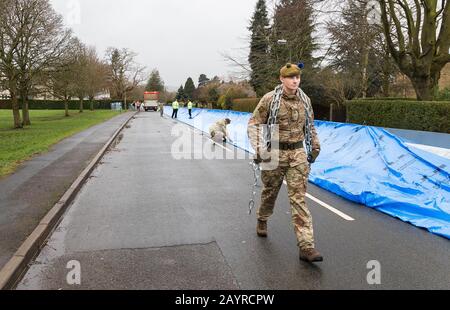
x=180, y=38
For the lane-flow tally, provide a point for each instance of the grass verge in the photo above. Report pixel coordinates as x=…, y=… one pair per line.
x=48, y=127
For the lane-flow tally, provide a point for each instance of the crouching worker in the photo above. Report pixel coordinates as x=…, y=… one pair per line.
x=218, y=131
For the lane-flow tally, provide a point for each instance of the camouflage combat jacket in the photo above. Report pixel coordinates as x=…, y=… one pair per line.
x=291, y=121
x=219, y=126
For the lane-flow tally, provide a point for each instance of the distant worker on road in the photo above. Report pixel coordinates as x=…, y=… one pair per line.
x=161, y=109
x=189, y=106
x=218, y=131
x=175, y=107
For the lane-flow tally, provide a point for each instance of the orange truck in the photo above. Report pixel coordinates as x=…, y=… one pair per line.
x=151, y=100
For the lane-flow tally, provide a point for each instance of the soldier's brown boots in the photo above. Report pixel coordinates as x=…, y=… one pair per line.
x=310, y=255
x=261, y=228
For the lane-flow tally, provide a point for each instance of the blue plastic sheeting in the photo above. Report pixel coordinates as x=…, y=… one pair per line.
x=367, y=165
x=371, y=166
x=202, y=119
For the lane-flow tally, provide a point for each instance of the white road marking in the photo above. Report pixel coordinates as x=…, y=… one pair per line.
x=225, y=148
x=320, y=202
x=327, y=206
x=440, y=151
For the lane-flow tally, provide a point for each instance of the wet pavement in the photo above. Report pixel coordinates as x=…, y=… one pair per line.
x=146, y=220
x=27, y=195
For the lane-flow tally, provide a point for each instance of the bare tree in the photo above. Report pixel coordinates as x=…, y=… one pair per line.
x=92, y=74
x=61, y=79
x=355, y=43
x=97, y=75
x=82, y=70
x=384, y=64
x=167, y=96
x=32, y=38
x=41, y=46
x=243, y=70
x=124, y=73
x=137, y=93
x=334, y=86
x=418, y=36
x=10, y=33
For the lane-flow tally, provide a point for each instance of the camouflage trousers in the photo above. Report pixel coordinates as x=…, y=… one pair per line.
x=297, y=181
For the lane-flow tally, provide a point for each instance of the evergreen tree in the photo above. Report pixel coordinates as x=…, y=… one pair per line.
x=189, y=88
x=360, y=56
x=293, y=22
x=202, y=80
x=213, y=96
x=155, y=82
x=259, y=48
x=180, y=94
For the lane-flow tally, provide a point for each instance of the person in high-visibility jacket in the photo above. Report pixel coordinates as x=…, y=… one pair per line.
x=175, y=107
x=189, y=106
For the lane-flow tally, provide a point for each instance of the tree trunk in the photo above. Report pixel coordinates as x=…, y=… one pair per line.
x=425, y=87
x=23, y=94
x=364, y=81
x=81, y=105
x=16, y=111
x=331, y=112
x=66, y=107
x=385, y=86
x=91, y=99
x=25, y=112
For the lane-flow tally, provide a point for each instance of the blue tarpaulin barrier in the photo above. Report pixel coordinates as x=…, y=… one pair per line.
x=364, y=164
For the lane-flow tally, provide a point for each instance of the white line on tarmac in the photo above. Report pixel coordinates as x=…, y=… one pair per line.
x=225, y=148
x=444, y=152
x=327, y=206
x=320, y=202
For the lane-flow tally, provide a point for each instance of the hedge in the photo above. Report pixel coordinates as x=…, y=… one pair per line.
x=404, y=114
x=386, y=99
x=320, y=112
x=444, y=94
x=59, y=104
x=245, y=104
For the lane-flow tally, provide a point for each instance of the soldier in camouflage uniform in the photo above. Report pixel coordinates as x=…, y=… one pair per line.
x=161, y=109
x=292, y=162
x=218, y=130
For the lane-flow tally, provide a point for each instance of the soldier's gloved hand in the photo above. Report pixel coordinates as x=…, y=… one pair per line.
x=263, y=157
x=258, y=160
x=314, y=154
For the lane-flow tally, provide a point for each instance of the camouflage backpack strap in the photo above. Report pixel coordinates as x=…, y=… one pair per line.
x=308, y=123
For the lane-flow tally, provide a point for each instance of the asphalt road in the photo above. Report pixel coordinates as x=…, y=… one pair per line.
x=148, y=221
x=25, y=199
